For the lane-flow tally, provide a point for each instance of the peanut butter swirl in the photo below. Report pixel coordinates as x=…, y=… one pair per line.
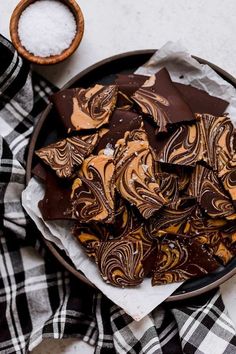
x=180, y=258
x=135, y=179
x=92, y=107
x=93, y=191
x=120, y=262
x=205, y=186
x=209, y=140
x=67, y=154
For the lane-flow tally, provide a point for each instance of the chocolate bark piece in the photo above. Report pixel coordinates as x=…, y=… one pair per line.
x=66, y=155
x=56, y=204
x=120, y=262
x=90, y=236
x=198, y=100
x=93, y=190
x=206, y=188
x=135, y=171
x=180, y=258
x=148, y=260
x=159, y=98
x=171, y=219
x=89, y=108
x=214, y=243
x=227, y=176
x=121, y=122
x=208, y=140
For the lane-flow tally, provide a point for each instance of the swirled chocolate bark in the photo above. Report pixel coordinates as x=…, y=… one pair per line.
x=89, y=108
x=159, y=98
x=120, y=262
x=208, y=140
x=180, y=258
x=68, y=154
x=206, y=188
x=135, y=174
x=198, y=100
x=148, y=184
x=93, y=190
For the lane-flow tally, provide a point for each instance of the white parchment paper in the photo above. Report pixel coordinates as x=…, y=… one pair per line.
x=140, y=301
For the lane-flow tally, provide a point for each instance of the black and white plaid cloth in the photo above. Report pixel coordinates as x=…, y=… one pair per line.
x=39, y=299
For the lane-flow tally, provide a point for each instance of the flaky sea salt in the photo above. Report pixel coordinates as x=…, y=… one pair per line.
x=108, y=151
x=46, y=27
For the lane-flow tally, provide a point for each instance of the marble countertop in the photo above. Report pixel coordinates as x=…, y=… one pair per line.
x=206, y=28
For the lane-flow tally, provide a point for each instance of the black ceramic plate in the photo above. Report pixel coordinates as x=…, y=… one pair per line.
x=48, y=130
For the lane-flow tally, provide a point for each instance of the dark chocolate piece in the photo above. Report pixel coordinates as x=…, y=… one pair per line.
x=198, y=100
x=89, y=108
x=66, y=155
x=56, y=203
x=206, y=188
x=93, y=190
x=159, y=98
x=180, y=258
x=120, y=262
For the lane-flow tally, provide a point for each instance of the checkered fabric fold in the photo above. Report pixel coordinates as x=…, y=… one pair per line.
x=38, y=298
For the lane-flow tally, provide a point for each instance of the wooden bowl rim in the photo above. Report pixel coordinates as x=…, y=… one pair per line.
x=173, y=297
x=54, y=59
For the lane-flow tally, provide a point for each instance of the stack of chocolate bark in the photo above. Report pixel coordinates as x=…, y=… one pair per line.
x=147, y=171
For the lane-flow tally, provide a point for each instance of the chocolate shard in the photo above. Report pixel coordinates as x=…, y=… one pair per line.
x=206, y=188
x=89, y=108
x=180, y=258
x=56, y=204
x=159, y=98
x=214, y=243
x=208, y=140
x=90, y=236
x=68, y=154
x=93, y=190
x=135, y=171
x=182, y=173
x=120, y=262
x=171, y=220
x=198, y=100
x=121, y=122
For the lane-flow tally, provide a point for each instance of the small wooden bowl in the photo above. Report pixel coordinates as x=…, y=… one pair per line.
x=79, y=18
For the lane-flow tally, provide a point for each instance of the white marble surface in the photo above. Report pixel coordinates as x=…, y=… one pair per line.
x=206, y=28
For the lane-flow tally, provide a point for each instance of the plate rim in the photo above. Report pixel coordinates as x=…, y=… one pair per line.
x=173, y=297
